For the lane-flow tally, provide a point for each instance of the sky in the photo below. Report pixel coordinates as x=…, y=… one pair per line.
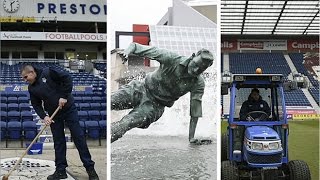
x=123, y=13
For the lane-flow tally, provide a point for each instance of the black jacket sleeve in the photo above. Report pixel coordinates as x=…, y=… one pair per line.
x=266, y=108
x=37, y=106
x=244, y=110
x=64, y=80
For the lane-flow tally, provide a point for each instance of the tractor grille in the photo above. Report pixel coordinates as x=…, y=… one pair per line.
x=264, y=159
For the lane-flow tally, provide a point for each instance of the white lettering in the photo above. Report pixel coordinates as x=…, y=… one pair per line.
x=311, y=46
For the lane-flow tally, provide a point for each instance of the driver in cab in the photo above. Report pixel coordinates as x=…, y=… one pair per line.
x=254, y=108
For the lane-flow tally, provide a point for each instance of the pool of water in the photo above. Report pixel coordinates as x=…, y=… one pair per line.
x=162, y=157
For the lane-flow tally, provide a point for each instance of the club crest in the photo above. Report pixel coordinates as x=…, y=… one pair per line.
x=44, y=80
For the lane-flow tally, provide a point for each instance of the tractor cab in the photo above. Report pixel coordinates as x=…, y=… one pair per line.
x=257, y=134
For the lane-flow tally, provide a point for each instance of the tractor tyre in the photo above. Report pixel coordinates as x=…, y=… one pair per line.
x=224, y=147
x=229, y=170
x=299, y=170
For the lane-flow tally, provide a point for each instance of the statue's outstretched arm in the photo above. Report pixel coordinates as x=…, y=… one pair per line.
x=151, y=52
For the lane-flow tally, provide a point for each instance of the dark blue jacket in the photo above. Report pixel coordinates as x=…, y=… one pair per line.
x=252, y=105
x=49, y=87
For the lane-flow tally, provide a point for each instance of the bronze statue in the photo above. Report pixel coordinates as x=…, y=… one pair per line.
x=176, y=76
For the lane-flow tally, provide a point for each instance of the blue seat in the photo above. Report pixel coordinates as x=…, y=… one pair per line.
x=22, y=94
x=93, y=129
x=103, y=106
x=23, y=99
x=13, y=116
x=3, y=99
x=80, y=94
x=86, y=99
x=83, y=126
x=84, y=106
x=24, y=107
x=29, y=129
x=103, y=128
x=11, y=94
x=94, y=115
x=83, y=115
x=26, y=116
x=12, y=100
x=4, y=107
x=97, y=99
x=77, y=105
x=3, y=129
x=88, y=94
x=78, y=99
x=13, y=107
x=4, y=116
x=95, y=106
x=14, y=130
x=103, y=115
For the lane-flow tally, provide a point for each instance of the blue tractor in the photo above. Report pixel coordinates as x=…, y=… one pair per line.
x=256, y=147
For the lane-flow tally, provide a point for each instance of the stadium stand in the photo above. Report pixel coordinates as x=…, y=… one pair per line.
x=20, y=122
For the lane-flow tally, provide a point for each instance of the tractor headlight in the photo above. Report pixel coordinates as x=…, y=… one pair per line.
x=274, y=146
x=256, y=146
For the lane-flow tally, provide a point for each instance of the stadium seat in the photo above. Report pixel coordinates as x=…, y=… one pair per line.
x=94, y=115
x=3, y=99
x=24, y=107
x=93, y=129
x=83, y=127
x=26, y=116
x=88, y=94
x=78, y=99
x=3, y=129
x=103, y=115
x=80, y=94
x=103, y=106
x=97, y=99
x=95, y=106
x=29, y=129
x=3, y=107
x=86, y=99
x=12, y=100
x=23, y=100
x=14, y=130
x=13, y=107
x=83, y=115
x=103, y=128
x=13, y=116
x=4, y=116
x=84, y=106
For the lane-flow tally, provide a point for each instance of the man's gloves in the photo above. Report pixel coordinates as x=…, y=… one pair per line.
x=123, y=56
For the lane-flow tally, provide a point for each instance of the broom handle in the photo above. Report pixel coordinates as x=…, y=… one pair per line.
x=34, y=140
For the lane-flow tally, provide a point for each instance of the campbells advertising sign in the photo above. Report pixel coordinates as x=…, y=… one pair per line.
x=262, y=45
x=303, y=45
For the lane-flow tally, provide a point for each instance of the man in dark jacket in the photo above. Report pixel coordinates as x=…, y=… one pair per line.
x=254, y=103
x=52, y=88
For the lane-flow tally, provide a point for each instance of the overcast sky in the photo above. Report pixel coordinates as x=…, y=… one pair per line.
x=124, y=13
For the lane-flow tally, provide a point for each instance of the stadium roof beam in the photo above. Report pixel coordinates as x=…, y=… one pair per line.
x=305, y=31
x=279, y=17
x=274, y=15
x=244, y=16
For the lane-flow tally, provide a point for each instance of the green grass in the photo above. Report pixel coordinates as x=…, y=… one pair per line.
x=303, y=143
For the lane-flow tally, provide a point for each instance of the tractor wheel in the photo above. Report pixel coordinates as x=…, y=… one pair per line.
x=299, y=170
x=229, y=170
x=224, y=147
